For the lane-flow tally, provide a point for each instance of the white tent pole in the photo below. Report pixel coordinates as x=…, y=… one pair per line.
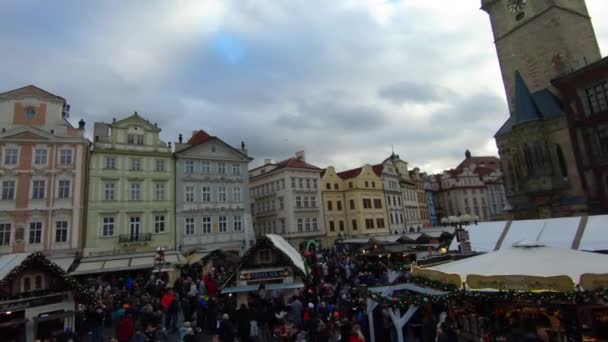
x=400, y=321
x=371, y=305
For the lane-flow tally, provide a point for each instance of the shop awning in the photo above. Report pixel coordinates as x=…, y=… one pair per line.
x=253, y=288
x=63, y=262
x=483, y=236
x=116, y=263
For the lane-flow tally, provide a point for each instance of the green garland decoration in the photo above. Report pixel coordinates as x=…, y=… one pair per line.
x=542, y=298
x=424, y=282
x=38, y=259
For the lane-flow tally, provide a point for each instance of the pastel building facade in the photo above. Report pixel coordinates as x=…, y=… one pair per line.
x=212, y=203
x=285, y=199
x=131, y=190
x=43, y=168
x=363, y=202
x=391, y=179
x=474, y=187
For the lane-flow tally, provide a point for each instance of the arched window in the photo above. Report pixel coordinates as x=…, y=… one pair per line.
x=38, y=282
x=539, y=155
x=27, y=284
x=412, y=230
x=529, y=159
x=561, y=161
x=512, y=177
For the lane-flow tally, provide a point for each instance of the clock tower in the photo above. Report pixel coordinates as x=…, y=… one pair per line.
x=542, y=39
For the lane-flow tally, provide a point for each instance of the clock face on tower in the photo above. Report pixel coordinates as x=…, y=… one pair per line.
x=515, y=6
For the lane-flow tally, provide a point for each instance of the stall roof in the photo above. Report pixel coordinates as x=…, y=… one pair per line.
x=525, y=259
x=560, y=232
x=434, y=234
x=483, y=236
x=64, y=262
x=125, y=262
x=9, y=261
x=387, y=238
x=595, y=237
x=288, y=250
x=354, y=241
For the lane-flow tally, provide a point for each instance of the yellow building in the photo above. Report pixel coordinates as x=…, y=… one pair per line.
x=354, y=203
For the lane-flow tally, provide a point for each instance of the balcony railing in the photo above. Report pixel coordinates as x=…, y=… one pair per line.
x=141, y=237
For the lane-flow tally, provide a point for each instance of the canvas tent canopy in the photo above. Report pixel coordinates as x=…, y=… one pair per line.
x=525, y=261
x=581, y=233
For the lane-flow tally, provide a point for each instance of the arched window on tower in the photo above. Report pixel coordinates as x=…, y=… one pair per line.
x=512, y=177
x=561, y=161
x=529, y=159
x=539, y=154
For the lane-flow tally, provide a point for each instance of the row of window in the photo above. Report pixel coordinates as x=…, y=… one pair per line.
x=271, y=187
x=220, y=193
x=306, y=202
x=370, y=223
x=394, y=200
x=270, y=227
x=108, y=225
x=206, y=168
x=135, y=191
x=336, y=186
x=135, y=164
x=304, y=183
x=11, y=156
x=206, y=223
x=35, y=233
x=269, y=205
x=38, y=189
x=396, y=219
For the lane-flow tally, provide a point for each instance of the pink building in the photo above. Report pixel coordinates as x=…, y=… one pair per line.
x=43, y=165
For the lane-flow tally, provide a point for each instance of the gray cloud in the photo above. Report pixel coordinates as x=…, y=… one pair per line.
x=407, y=91
x=323, y=76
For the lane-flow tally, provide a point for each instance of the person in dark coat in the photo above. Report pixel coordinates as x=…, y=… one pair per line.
x=226, y=330
x=242, y=318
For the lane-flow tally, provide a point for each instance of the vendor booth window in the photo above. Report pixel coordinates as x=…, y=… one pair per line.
x=264, y=256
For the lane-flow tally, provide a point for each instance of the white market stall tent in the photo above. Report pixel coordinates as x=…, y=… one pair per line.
x=588, y=233
x=511, y=266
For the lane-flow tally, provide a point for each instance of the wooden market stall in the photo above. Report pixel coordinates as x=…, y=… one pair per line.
x=271, y=264
x=527, y=290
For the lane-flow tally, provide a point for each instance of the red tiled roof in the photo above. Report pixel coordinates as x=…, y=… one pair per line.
x=355, y=172
x=297, y=163
x=483, y=171
x=378, y=169
x=487, y=161
x=199, y=138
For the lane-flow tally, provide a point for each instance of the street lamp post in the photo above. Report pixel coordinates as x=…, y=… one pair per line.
x=159, y=259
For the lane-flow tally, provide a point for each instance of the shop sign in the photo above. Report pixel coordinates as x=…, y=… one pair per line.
x=30, y=303
x=464, y=241
x=446, y=278
x=590, y=281
x=520, y=283
x=264, y=275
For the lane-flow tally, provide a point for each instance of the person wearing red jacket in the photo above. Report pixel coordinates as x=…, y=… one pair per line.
x=211, y=286
x=125, y=329
x=169, y=304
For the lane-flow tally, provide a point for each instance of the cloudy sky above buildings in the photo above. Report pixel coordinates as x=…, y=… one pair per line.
x=343, y=80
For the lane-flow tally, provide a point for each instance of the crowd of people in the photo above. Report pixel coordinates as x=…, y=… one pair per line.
x=149, y=307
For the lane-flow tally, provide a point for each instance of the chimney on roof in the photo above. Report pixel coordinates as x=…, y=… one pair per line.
x=300, y=155
x=467, y=154
x=267, y=161
x=101, y=130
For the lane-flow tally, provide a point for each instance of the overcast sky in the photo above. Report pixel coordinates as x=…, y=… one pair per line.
x=343, y=80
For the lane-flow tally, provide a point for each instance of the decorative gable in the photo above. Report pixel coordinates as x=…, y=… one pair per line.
x=214, y=148
x=135, y=120
x=31, y=91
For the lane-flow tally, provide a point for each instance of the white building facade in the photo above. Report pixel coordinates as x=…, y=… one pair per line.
x=286, y=200
x=212, y=203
